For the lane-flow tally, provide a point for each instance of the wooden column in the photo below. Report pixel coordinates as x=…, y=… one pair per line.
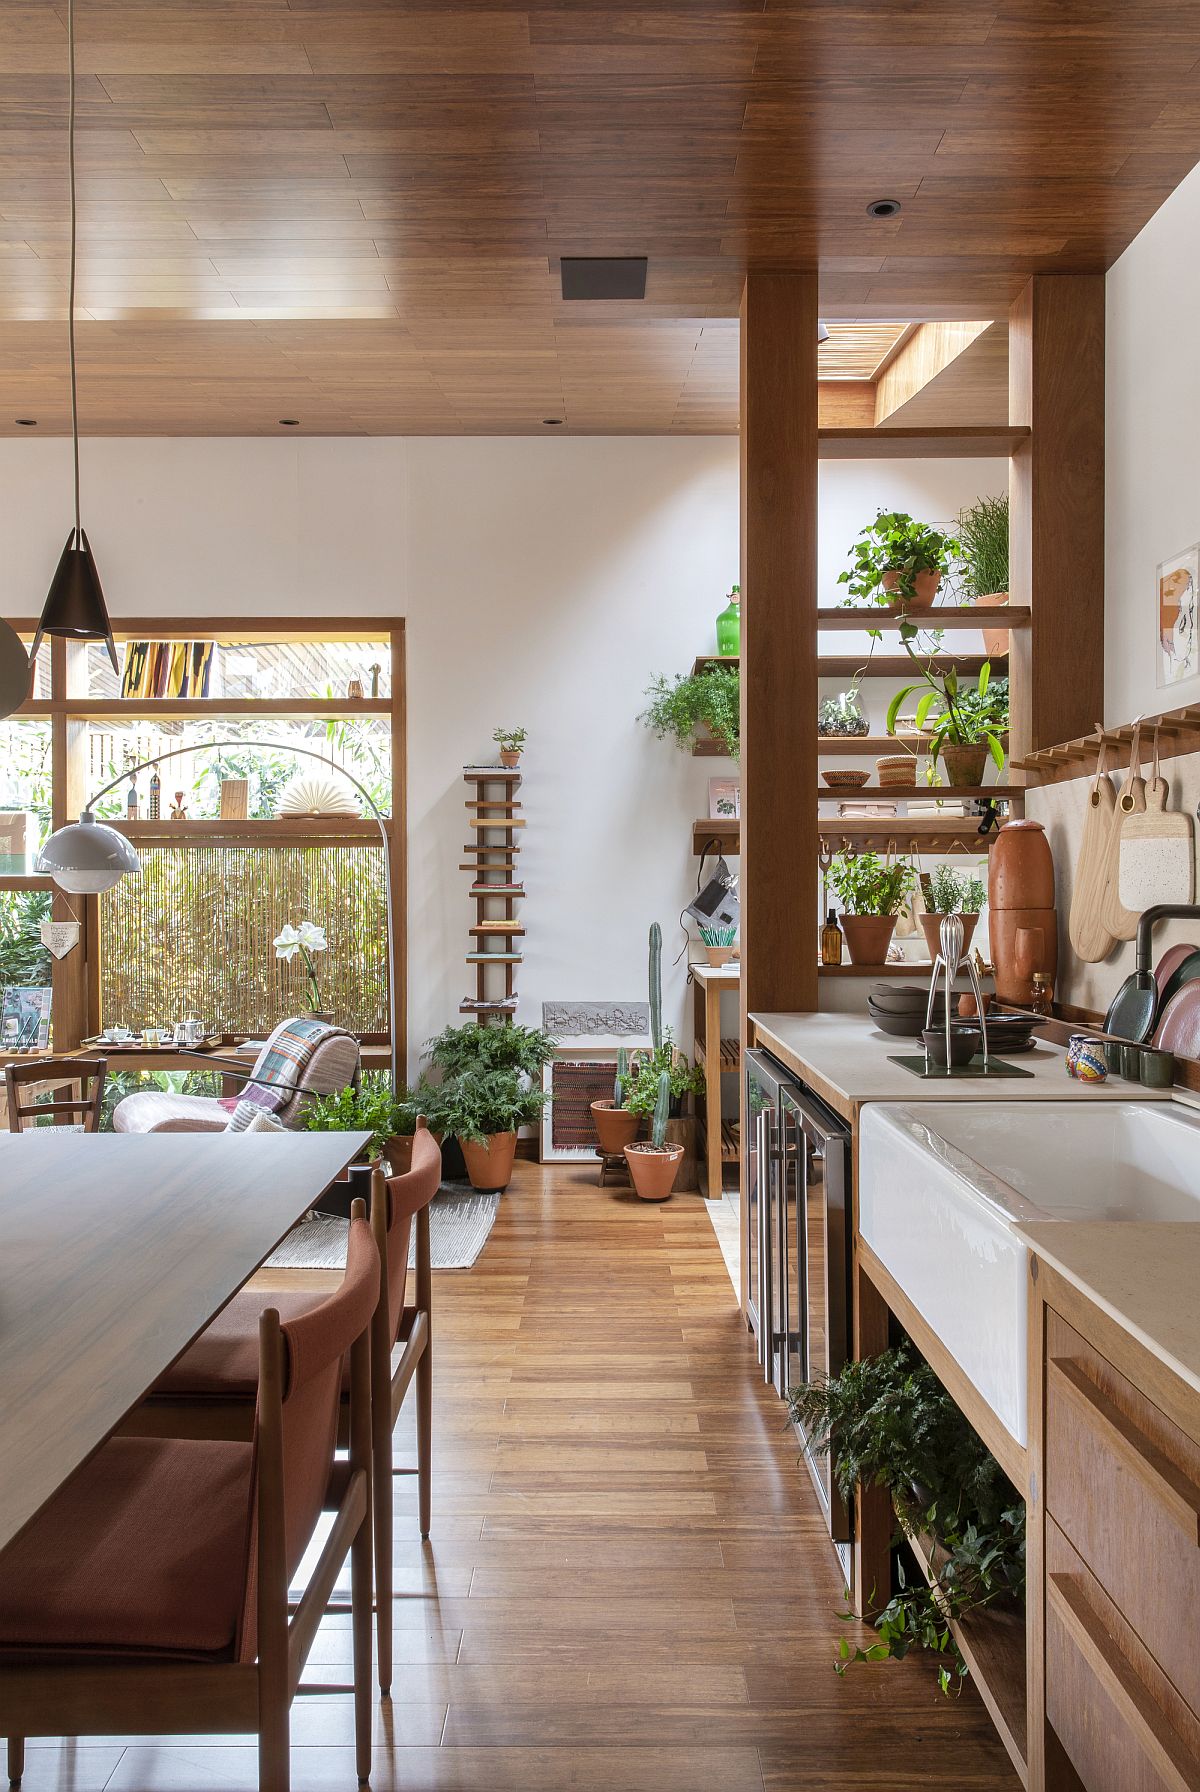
x=779, y=641
x=1056, y=387
x=779, y=653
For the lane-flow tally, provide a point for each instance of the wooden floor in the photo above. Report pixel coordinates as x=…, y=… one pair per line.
x=627, y=1589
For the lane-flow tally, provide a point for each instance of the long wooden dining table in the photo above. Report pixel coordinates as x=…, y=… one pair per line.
x=115, y=1252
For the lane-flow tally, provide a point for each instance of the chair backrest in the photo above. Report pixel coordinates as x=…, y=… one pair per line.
x=31, y=1073
x=406, y=1196
x=332, y=1067
x=301, y=1415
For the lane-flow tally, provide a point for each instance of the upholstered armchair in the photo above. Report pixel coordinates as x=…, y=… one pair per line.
x=333, y=1064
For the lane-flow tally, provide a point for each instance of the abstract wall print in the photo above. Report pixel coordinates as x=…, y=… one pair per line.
x=597, y=1021
x=1178, y=580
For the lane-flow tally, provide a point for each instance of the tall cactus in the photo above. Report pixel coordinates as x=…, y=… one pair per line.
x=621, y=1077
x=656, y=1034
x=662, y=1109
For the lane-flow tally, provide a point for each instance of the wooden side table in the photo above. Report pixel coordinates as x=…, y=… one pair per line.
x=720, y=1057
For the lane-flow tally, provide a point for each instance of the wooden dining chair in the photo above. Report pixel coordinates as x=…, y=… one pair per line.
x=30, y=1073
x=152, y=1592
x=210, y=1391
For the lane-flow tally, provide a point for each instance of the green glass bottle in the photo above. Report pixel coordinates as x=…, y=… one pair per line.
x=729, y=626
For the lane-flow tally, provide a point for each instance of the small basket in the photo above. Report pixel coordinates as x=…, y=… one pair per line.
x=845, y=780
x=898, y=771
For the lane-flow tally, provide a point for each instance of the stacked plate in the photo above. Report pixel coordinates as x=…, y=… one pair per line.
x=1009, y=1034
x=900, y=1010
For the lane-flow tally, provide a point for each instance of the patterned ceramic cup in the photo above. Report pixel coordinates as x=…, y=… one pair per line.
x=1073, y=1045
x=1091, y=1065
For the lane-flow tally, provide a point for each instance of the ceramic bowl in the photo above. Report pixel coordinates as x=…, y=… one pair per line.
x=964, y=1043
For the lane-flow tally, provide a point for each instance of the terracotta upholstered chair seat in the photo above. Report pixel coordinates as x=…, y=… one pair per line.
x=124, y=1582
x=223, y=1362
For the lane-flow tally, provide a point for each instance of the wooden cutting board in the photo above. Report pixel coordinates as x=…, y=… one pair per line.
x=1120, y=921
x=1158, y=862
x=1090, y=938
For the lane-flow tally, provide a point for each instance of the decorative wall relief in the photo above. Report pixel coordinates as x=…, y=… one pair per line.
x=1178, y=580
x=591, y=1020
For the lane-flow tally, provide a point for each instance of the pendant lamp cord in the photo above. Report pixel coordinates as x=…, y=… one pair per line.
x=71, y=279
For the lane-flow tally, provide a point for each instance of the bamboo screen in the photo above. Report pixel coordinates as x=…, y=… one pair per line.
x=193, y=936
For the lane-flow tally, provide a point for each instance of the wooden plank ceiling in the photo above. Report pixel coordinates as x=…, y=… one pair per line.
x=351, y=211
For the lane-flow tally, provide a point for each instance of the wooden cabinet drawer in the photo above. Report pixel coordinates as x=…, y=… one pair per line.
x=1123, y=1484
x=1122, y=1724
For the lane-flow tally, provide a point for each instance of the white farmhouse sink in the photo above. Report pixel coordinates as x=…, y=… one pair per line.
x=942, y=1188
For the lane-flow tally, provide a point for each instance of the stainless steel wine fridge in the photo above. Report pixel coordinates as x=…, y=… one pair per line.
x=796, y=1235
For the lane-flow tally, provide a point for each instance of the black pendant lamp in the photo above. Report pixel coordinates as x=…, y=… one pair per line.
x=75, y=605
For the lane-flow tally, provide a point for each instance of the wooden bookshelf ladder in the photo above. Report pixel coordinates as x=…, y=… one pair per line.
x=496, y=889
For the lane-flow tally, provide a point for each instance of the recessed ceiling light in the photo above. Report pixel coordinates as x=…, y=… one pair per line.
x=883, y=208
x=290, y=422
x=553, y=422
x=26, y=422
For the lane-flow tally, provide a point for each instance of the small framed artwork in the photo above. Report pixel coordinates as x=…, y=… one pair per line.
x=1176, y=600
x=724, y=799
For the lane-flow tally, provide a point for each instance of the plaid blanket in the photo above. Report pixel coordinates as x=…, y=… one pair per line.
x=283, y=1062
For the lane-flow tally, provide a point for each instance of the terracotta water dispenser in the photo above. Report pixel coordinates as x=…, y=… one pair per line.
x=1022, y=919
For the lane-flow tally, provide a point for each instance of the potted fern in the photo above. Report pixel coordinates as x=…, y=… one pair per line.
x=616, y=1125
x=654, y=1165
x=483, y=1109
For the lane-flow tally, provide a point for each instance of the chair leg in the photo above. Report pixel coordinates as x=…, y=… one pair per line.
x=274, y=1748
x=381, y=1495
x=16, y=1759
x=360, y=1601
x=424, y=1434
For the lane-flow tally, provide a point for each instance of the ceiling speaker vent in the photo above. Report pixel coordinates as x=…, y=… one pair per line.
x=603, y=277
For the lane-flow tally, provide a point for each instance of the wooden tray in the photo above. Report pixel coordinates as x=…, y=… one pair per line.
x=209, y=1043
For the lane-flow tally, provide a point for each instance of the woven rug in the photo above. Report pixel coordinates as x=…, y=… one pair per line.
x=459, y=1222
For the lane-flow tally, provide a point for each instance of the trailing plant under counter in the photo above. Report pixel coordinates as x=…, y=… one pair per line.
x=888, y=1422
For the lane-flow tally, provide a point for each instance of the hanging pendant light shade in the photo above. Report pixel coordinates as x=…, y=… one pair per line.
x=75, y=606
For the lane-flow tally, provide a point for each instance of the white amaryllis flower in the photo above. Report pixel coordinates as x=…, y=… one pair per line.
x=310, y=936
x=287, y=942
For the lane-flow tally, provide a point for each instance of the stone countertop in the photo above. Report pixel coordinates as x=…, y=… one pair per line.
x=1144, y=1275
x=844, y=1059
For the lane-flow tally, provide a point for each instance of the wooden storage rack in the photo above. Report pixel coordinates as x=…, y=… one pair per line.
x=492, y=863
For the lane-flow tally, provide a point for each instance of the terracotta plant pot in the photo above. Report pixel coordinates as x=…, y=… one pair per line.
x=868, y=937
x=925, y=588
x=720, y=954
x=510, y=759
x=489, y=1165
x=653, y=1171
x=995, y=640
x=398, y=1152
x=931, y=927
x=322, y=1014
x=964, y=766
x=615, y=1127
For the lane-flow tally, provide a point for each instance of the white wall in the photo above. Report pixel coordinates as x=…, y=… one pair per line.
x=1152, y=444
x=543, y=582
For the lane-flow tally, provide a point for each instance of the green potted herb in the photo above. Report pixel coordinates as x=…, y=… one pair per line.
x=965, y=724
x=510, y=741
x=949, y=892
x=484, y=1108
x=616, y=1124
x=983, y=533
x=898, y=561
x=710, y=698
x=871, y=893
x=653, y=1164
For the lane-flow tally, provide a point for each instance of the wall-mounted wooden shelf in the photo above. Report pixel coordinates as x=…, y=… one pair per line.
x=846, y=746
x=950, y=617
x=906, y=967
x=923, y=834
x=923, y=793
x=1178, y=732
x=899, y=665
x=493, y=881
x=950, y=442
